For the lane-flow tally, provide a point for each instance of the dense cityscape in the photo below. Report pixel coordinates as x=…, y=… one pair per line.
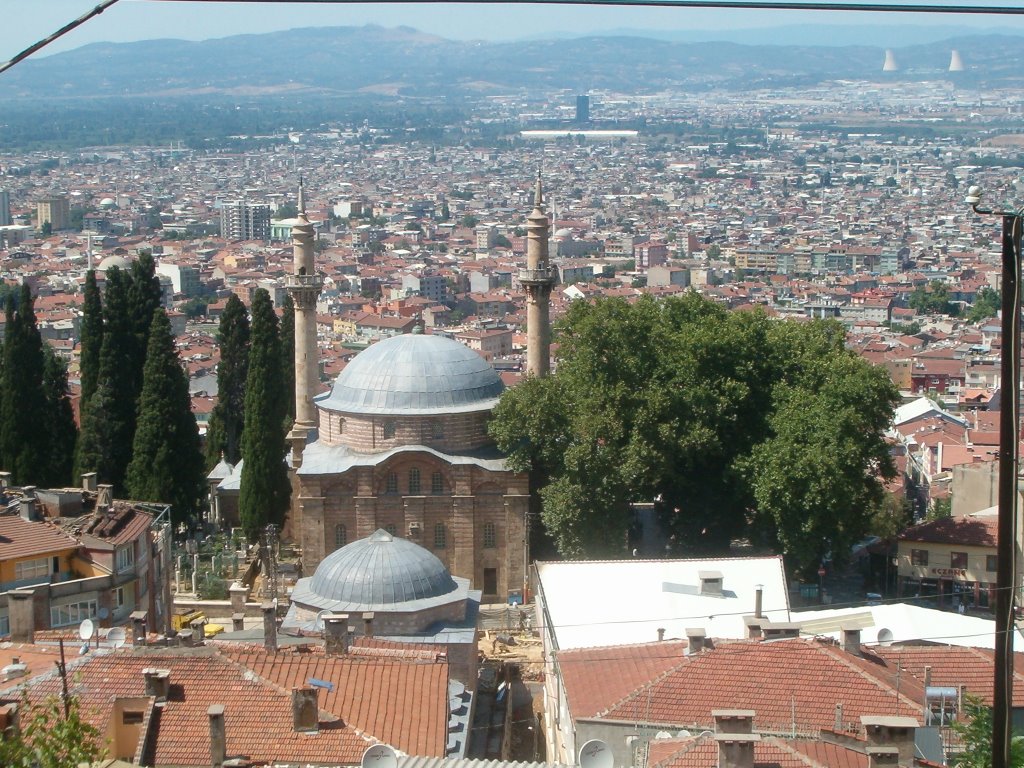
x=606, y=429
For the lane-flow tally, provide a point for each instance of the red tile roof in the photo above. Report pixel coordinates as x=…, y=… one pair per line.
x=20, y=538
x=969, y=531
x=955, y=666
x=702, y=752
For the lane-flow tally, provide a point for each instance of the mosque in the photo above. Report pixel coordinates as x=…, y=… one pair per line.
x=398, y=450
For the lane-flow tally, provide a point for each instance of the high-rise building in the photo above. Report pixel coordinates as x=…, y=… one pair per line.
x=582, y=109
x=242, y=220
x=56, y=211
x=5, y=208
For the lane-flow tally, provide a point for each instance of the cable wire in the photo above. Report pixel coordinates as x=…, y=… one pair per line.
x=59, y=33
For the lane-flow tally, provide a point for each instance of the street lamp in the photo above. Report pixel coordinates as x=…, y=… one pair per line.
x=1009, y=421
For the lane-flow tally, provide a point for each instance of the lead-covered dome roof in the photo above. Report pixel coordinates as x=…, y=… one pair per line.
x=414, y=374
x=380, y=570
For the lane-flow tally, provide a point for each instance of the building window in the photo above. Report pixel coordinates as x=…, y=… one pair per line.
x=341, y=426
x=991, y=561
x=340, y=536
x=919, y=557
x=32, y=569
x=390, y=528
x=437, y=483
x=490, y=581
x=131, y=717
x=440, y=536
x=392, y=483
x=119, y=598
x=414, y=481
x=389, y=429
x=958, y=560
x=490, y=538
x=125, y=558
x=72, y=613
x=438, y=430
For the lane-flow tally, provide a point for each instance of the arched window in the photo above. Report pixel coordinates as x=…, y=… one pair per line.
x=389, y=429
x=390, y=528
x=440, y=536
x=392, y=483
x=438, y=429
x=340, y=536
x=437, y=483
x=341, y=425
x=490, y=537
x=414, y=481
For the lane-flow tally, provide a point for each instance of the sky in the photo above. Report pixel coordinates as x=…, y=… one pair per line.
x=26, y=21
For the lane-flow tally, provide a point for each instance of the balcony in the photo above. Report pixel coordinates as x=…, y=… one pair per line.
x=34, y=581
x=532, y=276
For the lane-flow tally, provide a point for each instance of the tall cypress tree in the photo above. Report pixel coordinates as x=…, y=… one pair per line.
x=144, y=298
x=92, y=336
x=288, y=360
x=108, y=419
x=61, y=431
x=23, y=440
x=224, y=434
x=167, y=463
x=265, y=488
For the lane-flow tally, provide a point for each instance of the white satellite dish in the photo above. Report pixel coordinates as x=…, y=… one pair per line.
x=663, y=735
x=885, y=637
x=595, y=754
x=116, y=637
x=380, y=756
x=86, y=630
x=683, y=734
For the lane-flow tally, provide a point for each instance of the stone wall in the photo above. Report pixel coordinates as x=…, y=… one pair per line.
x=448, y=433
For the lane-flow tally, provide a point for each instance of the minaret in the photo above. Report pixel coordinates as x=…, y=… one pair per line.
x=304, y=286
x=537, y=279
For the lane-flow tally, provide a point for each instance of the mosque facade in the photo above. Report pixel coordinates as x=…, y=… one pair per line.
x=400, y=442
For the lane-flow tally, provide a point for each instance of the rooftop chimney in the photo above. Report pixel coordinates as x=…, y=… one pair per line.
x=695, y=639
x=158, y=683
x=218, y=736
x=89, y=482
x=305, y=712
x=882, y=756
x=851, y=640
x=893, y=733
x=780, y=630
x=758, y=595
x=710, y=583
x=139, y=619
x=269, y=627
x=753, y=626
x=838, y=725
x=336, y=634
x=734, y=733
x=104, y=497
x=21, y=615
x=5, y=480
x=9, y=720
x=368, y=624
x=27, y=509
x=661, y=634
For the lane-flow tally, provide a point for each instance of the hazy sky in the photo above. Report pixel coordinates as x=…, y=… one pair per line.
x=26, y=21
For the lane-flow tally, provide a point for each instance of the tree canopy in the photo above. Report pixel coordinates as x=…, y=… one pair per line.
x=734, y=423
x=224, y=433
x=49, y=738
x=933, y=300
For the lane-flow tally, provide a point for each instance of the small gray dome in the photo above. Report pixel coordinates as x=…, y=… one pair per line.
x=381, y=570
x=414, y=374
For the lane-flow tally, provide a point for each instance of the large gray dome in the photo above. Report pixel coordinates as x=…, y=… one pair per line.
x=415, y=374
x=380, y=570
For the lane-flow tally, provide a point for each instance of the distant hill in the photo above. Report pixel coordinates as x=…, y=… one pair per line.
x=388, y=62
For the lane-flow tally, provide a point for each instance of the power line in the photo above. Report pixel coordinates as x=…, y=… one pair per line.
x=59, y=33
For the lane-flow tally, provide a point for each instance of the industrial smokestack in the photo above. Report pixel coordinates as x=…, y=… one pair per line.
x=956, y=62
x=890, y=62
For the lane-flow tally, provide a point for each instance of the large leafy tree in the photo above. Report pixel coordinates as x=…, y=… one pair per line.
x=265, y=489
x=974, y=727
x=24, y=439
x=61, y=431
x=224, y=434
x=167, y=463
x=683, y=402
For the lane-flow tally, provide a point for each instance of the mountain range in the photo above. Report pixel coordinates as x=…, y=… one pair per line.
x=402, y=62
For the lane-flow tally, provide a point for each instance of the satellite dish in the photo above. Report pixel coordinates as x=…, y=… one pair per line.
x=103, y=613
x=595, y=754
x=663, y=735
x=116, y=637
x=885, y=637
x=86, y=630
x=683, y=735
x=380, y=756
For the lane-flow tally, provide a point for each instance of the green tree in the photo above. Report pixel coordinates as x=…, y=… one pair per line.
x=288, y=360
x=108, y=419
x=50, y=738
x=469, y=220
x=47, y=229
x=974, y=727
x=224, y=434
x=167, y=463
x=265, y=488
x=23, y=438
x=144, y=297
x=933, y=300
x=91, y=336
x=986, y=304
x=683, y=402
x=60, y=428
